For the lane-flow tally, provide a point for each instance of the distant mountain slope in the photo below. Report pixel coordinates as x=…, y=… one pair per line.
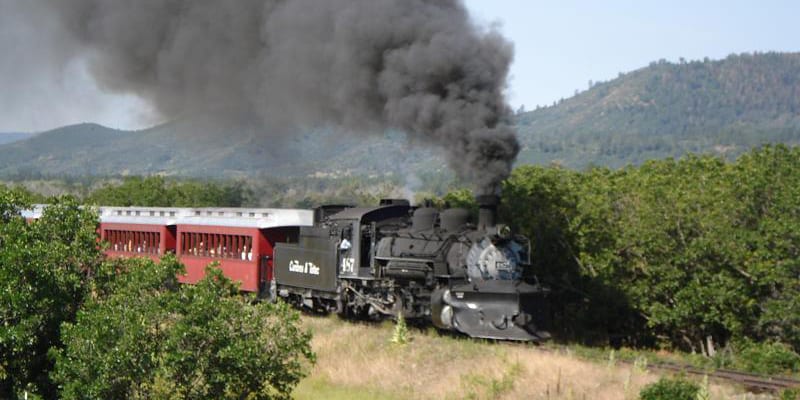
x=192, y=148
x=669, y=109
x=13, y=137
x=67, y=150
x=665, y=109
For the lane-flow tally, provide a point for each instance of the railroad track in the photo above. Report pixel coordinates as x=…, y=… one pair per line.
x=754, y=382
x=746, y=379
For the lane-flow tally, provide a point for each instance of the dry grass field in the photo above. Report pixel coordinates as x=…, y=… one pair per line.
x=359, y=361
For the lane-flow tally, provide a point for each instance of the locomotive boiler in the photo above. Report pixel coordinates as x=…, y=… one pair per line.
x=421, y=263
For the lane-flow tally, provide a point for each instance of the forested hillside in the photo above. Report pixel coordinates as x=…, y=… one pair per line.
x=662, y=110
x=203, y=148
x=666, y=109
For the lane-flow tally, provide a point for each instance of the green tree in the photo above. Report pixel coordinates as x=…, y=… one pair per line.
x=568, y=218
x=462, y=198
x=22, y=193
x=768, y=187
x=152, y=338
x=156, y=191
x=692, y=253
x=44, y=268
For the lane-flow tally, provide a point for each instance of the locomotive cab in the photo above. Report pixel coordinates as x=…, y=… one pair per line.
x=340, y=248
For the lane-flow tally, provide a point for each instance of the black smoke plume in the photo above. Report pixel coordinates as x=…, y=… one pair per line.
x=420, y=66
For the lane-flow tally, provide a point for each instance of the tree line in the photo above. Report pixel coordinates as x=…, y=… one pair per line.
x=696, y=253
x=264, y=191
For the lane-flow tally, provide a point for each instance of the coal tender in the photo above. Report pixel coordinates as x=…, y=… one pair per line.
x=422, y=263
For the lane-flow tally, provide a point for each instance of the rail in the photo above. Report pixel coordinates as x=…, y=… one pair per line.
x=746, y=379
x=751, y=381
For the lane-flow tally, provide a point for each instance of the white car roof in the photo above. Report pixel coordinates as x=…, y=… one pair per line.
x=260, y=218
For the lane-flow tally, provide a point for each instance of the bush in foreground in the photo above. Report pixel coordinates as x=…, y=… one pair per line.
x=153, y=338
x=790, y=394
x=670, y=389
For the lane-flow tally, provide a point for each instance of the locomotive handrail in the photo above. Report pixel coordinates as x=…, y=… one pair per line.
x=417, y=260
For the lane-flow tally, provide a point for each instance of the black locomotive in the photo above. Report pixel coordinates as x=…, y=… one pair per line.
x=420, y=263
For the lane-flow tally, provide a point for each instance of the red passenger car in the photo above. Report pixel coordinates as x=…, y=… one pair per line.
x=139, y=231
x=240, y=239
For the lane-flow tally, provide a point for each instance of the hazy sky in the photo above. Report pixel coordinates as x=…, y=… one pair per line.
x=560, y=46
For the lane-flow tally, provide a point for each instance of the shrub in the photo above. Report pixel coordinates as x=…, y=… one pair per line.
x=400, y=335
x=790, y=394
x=152, y=338
x=766, y=358
x=670, y=389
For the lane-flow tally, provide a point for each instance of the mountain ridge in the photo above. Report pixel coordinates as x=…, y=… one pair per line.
x=662, y=110
x=668, y=109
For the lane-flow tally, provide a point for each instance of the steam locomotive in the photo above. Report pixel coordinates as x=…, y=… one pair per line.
x=419, y=263
x=378, y=262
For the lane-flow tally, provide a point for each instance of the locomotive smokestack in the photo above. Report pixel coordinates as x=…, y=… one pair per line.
x=487, y=212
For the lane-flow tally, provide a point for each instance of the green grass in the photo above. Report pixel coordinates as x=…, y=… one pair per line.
x=724, y=359
x=360, y=361
x=314, y=388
